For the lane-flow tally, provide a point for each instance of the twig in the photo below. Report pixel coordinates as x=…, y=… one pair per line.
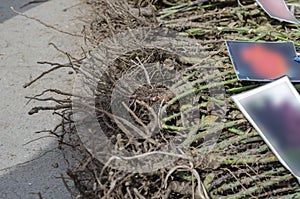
x=44, y=24
x=129, y=193
x=44, y=108
x=54, y=91
x=48, y=99
x=119, y=121
x=61, y=51
x=66, y=185
x=113, y=186
x=47, y=136
x=37, y=193
x=120, y=124
x=141, y=65
x=55, y=129
x=137, y=119
x=148, y=154
x=137, y=194
x=159, y=114
x=142, y=156
x=155, y=117
x=238, y=181
x=200, y=188
x=46, y=72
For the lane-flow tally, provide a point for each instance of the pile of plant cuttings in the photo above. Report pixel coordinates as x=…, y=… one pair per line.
x=223, y=157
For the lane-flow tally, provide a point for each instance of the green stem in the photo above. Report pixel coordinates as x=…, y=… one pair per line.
x=192, y=91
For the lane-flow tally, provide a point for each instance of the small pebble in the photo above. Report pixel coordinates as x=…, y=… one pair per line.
x=55, y=165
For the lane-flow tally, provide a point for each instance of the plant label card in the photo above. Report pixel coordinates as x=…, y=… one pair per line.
x=277, y=9
x=274, y=111
x=264, y=61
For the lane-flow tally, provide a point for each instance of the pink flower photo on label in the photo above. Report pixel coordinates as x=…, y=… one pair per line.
x=277, y=9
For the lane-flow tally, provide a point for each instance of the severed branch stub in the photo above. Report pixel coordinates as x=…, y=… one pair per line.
x=53, y=108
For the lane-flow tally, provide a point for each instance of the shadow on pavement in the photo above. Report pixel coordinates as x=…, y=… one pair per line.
x=5, y=11
x=27, y=180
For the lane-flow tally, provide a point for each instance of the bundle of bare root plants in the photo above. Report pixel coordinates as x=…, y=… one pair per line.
x=223, y=157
